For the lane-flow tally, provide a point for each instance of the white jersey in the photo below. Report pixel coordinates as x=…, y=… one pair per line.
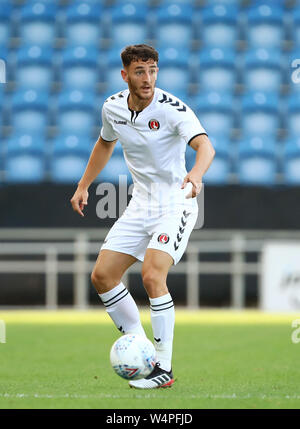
x=153, y=140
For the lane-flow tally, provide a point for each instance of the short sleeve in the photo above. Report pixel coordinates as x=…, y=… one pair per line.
x=107, y=132
x=187, y=124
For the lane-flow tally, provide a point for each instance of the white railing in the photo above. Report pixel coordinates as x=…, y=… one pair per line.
x=51, y=243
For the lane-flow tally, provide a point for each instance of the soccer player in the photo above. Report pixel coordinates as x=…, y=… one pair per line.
x=153, y=128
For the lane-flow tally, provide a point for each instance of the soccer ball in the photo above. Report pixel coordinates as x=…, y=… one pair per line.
x=133, y=356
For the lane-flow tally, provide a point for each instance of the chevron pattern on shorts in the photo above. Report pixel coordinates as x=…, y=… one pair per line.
x=183, y=220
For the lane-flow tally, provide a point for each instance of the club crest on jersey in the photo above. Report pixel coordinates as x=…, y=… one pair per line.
x=154, y=124
x=163, y=238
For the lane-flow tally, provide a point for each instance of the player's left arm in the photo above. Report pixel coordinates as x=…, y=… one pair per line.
x=204, y=156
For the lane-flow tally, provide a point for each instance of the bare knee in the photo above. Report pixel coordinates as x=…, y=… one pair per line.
x=103, y=281
x=154, y=283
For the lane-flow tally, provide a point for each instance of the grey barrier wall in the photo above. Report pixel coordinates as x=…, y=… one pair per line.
x=232, y=207
x=33, y=263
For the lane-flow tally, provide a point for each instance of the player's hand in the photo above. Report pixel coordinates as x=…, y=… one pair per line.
x=79, y=200
x=196, y=181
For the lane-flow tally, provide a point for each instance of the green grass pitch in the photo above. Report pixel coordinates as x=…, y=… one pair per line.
x=222, y=359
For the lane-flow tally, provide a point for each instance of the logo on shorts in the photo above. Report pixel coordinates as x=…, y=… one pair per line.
x=154, y=124
x=163, y=238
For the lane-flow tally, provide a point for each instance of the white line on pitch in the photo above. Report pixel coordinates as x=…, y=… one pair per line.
x=101, y=396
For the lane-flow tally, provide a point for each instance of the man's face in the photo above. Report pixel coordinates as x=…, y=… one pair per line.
x=141, y=77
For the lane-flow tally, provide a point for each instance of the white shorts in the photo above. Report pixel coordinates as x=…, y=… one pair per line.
x=166, y=228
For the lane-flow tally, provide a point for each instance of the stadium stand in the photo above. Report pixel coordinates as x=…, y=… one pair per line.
x=114, y=170
x=5, y=27
x=257, y=161
x=265, y=25
x=75, y=112
x=69, y=157
x=37, y=23
x=29, y=111
x=219, y=25
x=259, y=115
x=129, y=24
x=24, y=156
x=217, y=69
x=296, y=26
x=219, y=171
x=81, y=24
x=174, y=70
x=174, y=25
x=33, y=67
x=262, y=70
x=234, y=62
x=1, y=103
x=291, y=161
x=293, y=118
x=112, y=66
x=217, y=112
x=80, y=68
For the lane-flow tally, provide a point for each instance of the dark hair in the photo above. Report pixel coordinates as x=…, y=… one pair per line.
x=138, y=52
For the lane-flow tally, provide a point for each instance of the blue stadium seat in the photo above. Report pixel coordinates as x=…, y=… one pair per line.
x=33, y=68
x=65, y=143
x=113, y=78
x=20, y=141
x=29, y=111
x=129, y=24
x=293, y=115
x=80, y=67
x=184, y=97
x=5, y=22
x=216, y=112
x=118, y=150
x=24, y=159
x=296, y=25
x=68, y=168
x=262, y=70
x=174, y=25
x=83, y=23
x=217, y=69
x=260, y=114
x=115, y=167
x=174, y=74
x=219, y=26
x=224, y=2
x=190, y=157
x=180, y=2
x=256, y=163
x=219, y=170
x=291, y=161
x=265, y=26
x=75, y=112
x=37, y=24
x=69, y=158
x=1, y=104
x=120, y=3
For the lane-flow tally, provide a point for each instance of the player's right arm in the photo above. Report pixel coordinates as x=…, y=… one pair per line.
x=99, y=157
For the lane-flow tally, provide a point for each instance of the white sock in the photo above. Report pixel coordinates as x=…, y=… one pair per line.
x=163, y=320
x=123, y=310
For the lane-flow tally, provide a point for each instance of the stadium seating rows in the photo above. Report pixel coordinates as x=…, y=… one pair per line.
x=234, y=62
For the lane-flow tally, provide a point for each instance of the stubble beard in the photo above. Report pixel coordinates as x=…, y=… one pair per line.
x=138, y=93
